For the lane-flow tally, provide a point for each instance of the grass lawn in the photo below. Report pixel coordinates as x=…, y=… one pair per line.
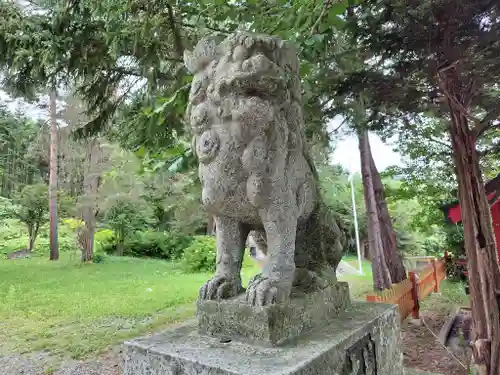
x=76, y=309
x=450, y=294
x=359, y=285
x=69, y=308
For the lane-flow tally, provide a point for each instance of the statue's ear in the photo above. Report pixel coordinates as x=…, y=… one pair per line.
x=190, y=61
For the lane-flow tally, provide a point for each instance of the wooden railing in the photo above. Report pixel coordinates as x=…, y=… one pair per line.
x=408, y=294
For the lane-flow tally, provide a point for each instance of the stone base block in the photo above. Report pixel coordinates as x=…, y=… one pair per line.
x=275, y=324
x=364, y=340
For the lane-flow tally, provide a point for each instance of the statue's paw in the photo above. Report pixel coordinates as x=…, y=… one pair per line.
x=220, y=287
x=263, y=291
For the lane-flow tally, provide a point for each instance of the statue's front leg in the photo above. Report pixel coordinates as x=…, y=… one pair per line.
x=226, y=283
x=275, y=283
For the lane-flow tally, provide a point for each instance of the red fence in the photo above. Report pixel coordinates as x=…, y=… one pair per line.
x=409, y=292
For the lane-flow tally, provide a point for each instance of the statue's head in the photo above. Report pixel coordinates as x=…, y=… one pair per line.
x=244, y=107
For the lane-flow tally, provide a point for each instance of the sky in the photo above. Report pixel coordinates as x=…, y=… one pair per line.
x=347, y=153
x=346, y=150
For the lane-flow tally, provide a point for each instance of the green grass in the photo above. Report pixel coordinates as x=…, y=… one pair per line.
x=69, y=308
x=450, y=294
x=76, y=309
x=359, y=285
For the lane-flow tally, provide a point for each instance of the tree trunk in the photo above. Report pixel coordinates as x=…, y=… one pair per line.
x=31, y=239
x=366, y=251
x=86, y=237
x=484, y=274
x=90, y=187
x=119, y=249
x=381, y=276
x=54, y=246
x=392, y=255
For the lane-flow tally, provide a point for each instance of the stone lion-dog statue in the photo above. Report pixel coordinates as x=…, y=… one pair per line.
x=246, y=119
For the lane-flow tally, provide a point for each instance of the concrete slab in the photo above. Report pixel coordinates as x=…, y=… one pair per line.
x=363, y=340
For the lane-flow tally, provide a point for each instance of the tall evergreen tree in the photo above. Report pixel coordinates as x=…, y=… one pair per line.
x=440, y=58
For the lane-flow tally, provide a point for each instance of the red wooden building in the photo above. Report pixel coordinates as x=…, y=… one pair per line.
x=454, y=215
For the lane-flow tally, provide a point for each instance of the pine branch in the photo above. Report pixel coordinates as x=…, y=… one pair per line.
x=486, y=123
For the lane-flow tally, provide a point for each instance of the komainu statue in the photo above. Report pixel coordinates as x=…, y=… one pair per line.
x=245, y=114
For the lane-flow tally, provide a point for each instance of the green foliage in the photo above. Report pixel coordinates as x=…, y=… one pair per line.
x=103, y=239
x=126, y=216
x=455, y=239
x=32, y=205
x=337, y=195
x=7, y=208
x=66, y=237
x=66, y=204
x=98, y=258
x=20, y=162
x=200, y=255
x=127, y=44
x=13, y=237
x=31, y=208
x=406, y=243
x=433, y=246
x=160, y=245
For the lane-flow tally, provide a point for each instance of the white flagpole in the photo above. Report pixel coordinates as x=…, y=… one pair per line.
x=356, y=229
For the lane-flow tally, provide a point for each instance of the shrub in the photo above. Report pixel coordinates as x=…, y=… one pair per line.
x=200, y=256
x=161, y=245
x=104, y=241
x=145, y=244
x=125, y=217
x=432, y=246
x=13, y=237
x=98, y=258
x=7, y=208
x=67, y=243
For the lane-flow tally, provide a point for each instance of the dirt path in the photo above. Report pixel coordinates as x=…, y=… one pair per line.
x=40, y=364
x=422, y=349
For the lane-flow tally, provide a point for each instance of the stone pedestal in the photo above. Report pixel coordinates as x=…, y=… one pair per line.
x=364, y=339
x=275, y=324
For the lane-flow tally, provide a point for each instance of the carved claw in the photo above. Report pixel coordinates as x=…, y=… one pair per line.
x=220, y=287
x=263, y=291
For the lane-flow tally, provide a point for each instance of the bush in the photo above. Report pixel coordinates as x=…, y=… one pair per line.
x=200, y=256
x=98, y=258
x=104, y=241
x=432, y=246
x=67, y=243
x=13, y=237
x=161, y=245
x=7, y=208
x=150, y=244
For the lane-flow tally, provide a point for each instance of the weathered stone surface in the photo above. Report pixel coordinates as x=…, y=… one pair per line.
x=274, y=324
x=364, y=340
x=245, y=114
